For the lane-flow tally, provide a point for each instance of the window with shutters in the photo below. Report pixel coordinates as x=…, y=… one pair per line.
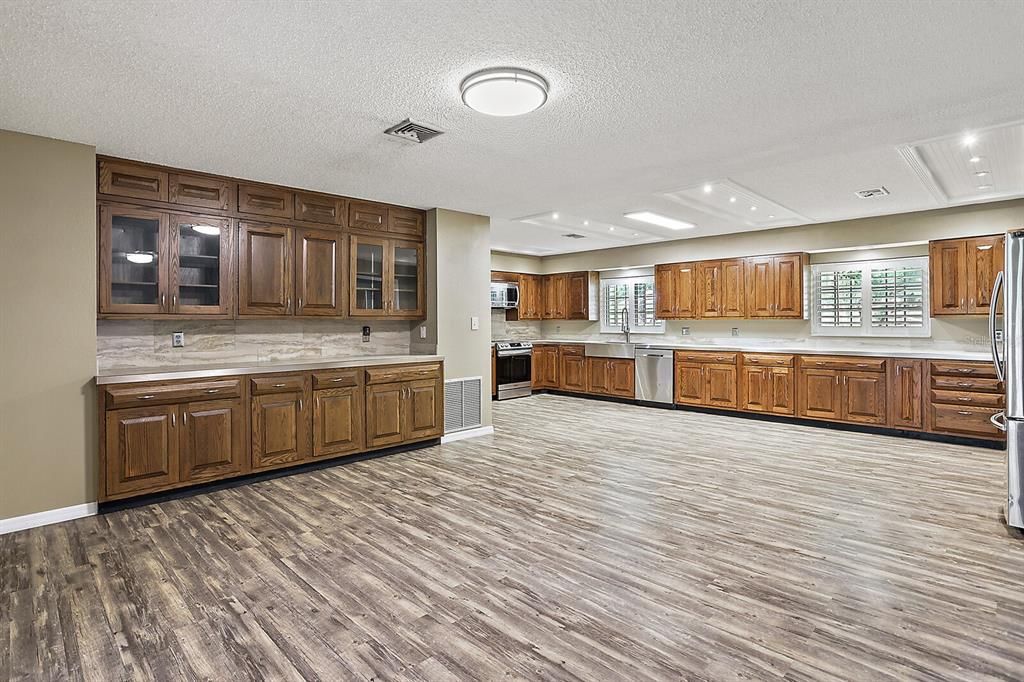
x=631, y=297
x=871, y=298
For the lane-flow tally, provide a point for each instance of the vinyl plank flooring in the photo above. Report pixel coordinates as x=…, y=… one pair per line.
x=585, y=540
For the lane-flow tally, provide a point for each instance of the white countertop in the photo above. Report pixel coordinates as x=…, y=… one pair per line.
x=140, y=374
x=981, y=355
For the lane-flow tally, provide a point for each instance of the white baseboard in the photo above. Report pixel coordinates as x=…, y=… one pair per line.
x=468, y=433
x=45, y=518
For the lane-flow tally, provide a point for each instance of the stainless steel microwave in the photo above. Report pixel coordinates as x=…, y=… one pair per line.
x=504, y=295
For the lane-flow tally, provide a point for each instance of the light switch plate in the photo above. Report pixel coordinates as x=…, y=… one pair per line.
x=177, y=339
x=423, y=331
x=686, y=331
x=999, y=336
x=735, y=331
x=474, y=323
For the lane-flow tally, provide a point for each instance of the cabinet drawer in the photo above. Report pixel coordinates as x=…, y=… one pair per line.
x=406, y=221
x=843, y=362
x=706, y=356
x=387, y=375
x=262, y=200
x=336, y=378
x=196, y=190
x=571, y=350
x=763, y=360
x=292, y=383
x=967, y=384
x=362, y=215
x=126, y=179
x=176, y=392
x=973, y=421
x=319, y=208
x=963, y=369
x=967, y=398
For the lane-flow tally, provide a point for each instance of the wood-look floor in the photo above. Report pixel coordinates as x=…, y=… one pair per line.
x=584, y=541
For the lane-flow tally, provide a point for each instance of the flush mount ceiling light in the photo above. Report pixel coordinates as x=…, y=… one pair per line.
x=206, y=229
x=659, y=220
x=504, y=91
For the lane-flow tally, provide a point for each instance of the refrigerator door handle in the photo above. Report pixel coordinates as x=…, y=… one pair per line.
x=998, y=420
x=992, y=312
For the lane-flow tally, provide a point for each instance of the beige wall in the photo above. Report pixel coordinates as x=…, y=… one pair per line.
x=47, y=324
x=514, y=262
x=458, y=275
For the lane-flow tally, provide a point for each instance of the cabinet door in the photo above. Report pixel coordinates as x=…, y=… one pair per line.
x=424, y=409
x=337, y=421
x=709, y=289
x=548, y=305
x=320, y=208
x=141, y=449
x=685, y=290
x=760, y=282
x=212, y=439
x=985, y=257
x=529, y=297
x=864, y=397
x=664, y=291
x=947, y=264
x=364, y=215
x=280, y=429
x=781, y=390
x=788, y=275
x=406, y=221
x=133, y=260
x=318, y=273
x=200, y=265
x=819, y=394
x=755, y=389
x=906, y=386
x=265, y=261
x=550, y=374
x=385, y=407
x=127, y=179
x=406, y=296
x=720, y=382
x=577, y=296
x=559, y=296
x=368, y=273
x=275, y=202
x=689, y=383
x=597, y=375
x=621, y=378
x=733, y=288
x=199, y=190
x=573, y=373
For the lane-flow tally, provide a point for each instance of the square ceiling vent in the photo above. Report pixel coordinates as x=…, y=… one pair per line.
x=411, y=131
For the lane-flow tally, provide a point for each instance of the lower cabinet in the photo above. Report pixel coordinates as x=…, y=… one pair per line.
x=280, y=420
x=338, y=421
x=611, y=377
x=906, y=394
x=213, y=440
x=962, y=399
x=385, y=414
x=141, y=449
x=572, y=369
x=544, y=364
x=767, y=389
x=404, y=405
x=706, y=378
x=837, y=394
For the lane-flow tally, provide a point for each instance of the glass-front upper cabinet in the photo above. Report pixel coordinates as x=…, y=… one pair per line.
x=133, y=263
x=407, y=273
x=368, y=295
x=200, y=250
x=386, y=278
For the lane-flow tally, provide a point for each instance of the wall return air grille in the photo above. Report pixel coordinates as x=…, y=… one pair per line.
x=462, y=408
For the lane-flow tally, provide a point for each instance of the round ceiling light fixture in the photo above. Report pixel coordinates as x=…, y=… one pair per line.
x=504, y=91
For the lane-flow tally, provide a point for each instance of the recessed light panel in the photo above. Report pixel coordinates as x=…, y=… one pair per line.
x=659, y=220
x=726, y=200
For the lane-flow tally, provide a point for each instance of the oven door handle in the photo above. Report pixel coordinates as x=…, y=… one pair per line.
x=512, y=353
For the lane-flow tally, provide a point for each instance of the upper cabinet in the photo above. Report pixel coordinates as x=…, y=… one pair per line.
x=720, y=287
x=962, y=273
x=775, y=285
x=188, y=244
x=675, y=291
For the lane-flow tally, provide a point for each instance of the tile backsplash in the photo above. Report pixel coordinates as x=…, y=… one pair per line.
x=122, y=344
x=502, y=330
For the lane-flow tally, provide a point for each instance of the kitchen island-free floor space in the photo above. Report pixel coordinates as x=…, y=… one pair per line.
x=584, y=540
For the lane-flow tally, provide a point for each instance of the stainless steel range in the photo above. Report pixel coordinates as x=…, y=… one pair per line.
x=515, y=369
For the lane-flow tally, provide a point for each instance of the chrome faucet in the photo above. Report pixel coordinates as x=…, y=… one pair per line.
x=625, y=323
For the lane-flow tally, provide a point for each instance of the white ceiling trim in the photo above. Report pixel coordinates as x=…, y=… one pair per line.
x=751, y=197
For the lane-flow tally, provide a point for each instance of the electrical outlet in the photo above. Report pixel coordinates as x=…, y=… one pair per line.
x=177, y=339
x=999, y=336
x=474, y=323
x=423, y=331
x=366, y=334
x=735, y=331
x=686, y=331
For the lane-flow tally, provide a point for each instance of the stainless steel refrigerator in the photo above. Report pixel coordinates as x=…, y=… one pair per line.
x=1010, y=368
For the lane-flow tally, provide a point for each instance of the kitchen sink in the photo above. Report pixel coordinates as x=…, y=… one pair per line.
x=610, y=350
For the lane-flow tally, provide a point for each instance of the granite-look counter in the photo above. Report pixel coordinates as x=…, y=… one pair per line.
x=139, y=374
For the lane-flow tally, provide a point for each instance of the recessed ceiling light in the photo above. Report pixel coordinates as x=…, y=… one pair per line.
x=753, y=208
x=707, y=188
x=770, y=215
x=732, y=200
x=975, y=159
x=970, y=139
x=586, y=222
x=981, y=174
x=659, y=220
x=554, y=216
x=984, y=186
x=504, y=91
x=139, y=257
x=636, y=234
x=611, y=229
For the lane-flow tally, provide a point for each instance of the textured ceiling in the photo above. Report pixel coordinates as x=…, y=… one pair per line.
x=647, y=98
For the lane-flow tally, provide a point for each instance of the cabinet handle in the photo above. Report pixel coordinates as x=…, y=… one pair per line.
x=300, y=302
x=300, y=404
x=212, y=390
x=174, y=300
x=334, y=381
x=279, y=385
x=837, y=380
x=967, y=412
x=184, y=418
x=289, y=308
x=146, y=397
x=899, y=369
x=965, y=384
x=965, y=399
x=966, y=370
x=163, y=300
x=174, y=420
x=862, y=364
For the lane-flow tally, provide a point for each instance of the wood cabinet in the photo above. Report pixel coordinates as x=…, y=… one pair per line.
x=212, y=440
x=906, y=394
x=364, y=215
x=199, y=190
x=320, y=208
x=402, y=411
x=720, y=287
x=706, y=378
x=581, y=295
x=386, y=278
x=141, y=449
x=281, y=423
x=554, y=297
x=572, y=369
x=962, y=273
x=531, y=305
x=843, y=389
x=820, y=394
x=319, y=273
x=611, y=377
x=962, y=398
x=266, y=200
x=128, y=179
x=265, y=269
x=406, y=221
x=338, y=421
x=675, y=289
x=544, y=364
x=775, y=285
x=767, y=384
x=864, y=397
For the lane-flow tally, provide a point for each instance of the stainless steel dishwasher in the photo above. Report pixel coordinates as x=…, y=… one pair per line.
x=654, y=375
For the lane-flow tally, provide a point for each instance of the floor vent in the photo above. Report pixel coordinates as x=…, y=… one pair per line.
x=462, y=404
x=413, y=132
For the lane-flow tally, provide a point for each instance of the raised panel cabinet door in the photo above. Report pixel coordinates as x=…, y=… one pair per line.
x=947, y=265
x=319, y=281
x=529, y=297
x=906, y=394
x=685, y=290
x=622, y=378
x=407, y=294
x=320, y=208
x=201, y=280
x=559, y=296
x=760, y=283
x=338, y=421
x=573, y=373
x=664, y=291
x=819, y=393
x=280, y=429
x=549, y=308
x=733, y=290
x=782, y=390
x=133, y=253
x=689, y=383
x=985, y=256
x=720, y=385
x=275, y=202
x=597, y=375
x=789, y=285
x=365, y=215
x=406, y=221
x=864, y=397
x=141, y=449
x=577, y=296
x=550, y=378
x=369, y=272
x=709, y=289
x=755, y=389
x=424, y=409
x=213, y=436
x=385, y=414
x=265, y=262
x=126, y=179
x=199, y=190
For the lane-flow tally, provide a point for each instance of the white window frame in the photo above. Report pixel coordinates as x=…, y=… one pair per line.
x=608, y=327
x=865, y=328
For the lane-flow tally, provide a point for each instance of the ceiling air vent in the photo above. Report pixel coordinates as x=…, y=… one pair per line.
x=413, y=132
x=573, y=235
x=872, y=193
